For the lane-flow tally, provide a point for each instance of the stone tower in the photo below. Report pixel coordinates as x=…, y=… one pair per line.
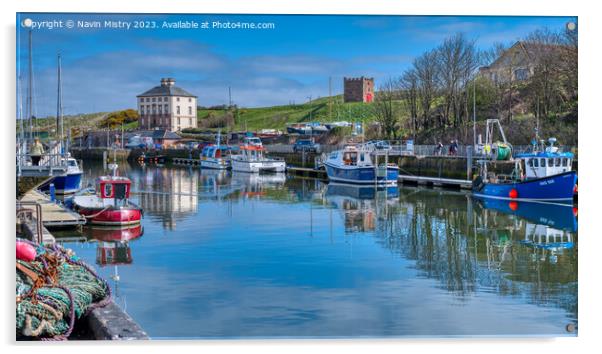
x=358, y=89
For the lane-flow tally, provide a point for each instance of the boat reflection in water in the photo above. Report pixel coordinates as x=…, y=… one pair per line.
x=549, y=228
x=361, y=204
x=113, y=249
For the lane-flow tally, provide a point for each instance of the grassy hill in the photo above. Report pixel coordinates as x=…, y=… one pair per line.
x=276, y=117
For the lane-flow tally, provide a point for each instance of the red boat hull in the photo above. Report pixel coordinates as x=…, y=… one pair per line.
x=113, y=216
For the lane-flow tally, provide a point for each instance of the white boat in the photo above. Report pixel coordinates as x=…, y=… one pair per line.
x=361, y=164
x=251, y=158
x=216, y=157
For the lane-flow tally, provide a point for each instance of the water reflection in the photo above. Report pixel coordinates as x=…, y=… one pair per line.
x=166, y=194
x=410, y=261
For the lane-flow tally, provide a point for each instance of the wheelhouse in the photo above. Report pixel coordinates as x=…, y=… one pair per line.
x=537, y=165
x=214, y=151
x=117, y=188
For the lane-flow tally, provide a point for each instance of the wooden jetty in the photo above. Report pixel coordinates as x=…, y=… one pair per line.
x=436, y=181
x=53, y=214
x=307, y=172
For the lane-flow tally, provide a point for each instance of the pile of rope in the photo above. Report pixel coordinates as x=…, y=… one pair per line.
x=54, y=290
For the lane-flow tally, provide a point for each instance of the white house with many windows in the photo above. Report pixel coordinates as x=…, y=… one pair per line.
x=167, y=107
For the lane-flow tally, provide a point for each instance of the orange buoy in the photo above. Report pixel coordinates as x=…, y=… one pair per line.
x=513, y=193
x=513, y=206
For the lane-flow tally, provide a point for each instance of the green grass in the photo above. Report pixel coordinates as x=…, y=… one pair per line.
x=277, y=117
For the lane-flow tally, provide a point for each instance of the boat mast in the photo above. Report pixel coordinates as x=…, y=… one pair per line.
x=30, y=89
x=59, y=106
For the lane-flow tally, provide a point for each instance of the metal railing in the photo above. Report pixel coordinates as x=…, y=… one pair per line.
x=25, y=215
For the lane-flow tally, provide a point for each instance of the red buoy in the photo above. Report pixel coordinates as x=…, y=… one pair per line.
x=513, y=206
x=575, y=211
x=513, y=193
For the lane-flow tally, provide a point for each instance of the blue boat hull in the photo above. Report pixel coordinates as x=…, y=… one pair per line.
x=361, y=175
x=557, y=216
x=67, y=184
x=557, y=188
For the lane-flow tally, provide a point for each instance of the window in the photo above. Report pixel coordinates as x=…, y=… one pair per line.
x=557, y=160
x=550, y=162
x=530, y=162
x=178, y=121
x=154, y=99
x=564, y=160
x=165, y=109
x=160, y=109
x=108, y=190
x=190, y=100
x=178, y=111
x=189, y=111
x=543, y=162
x=535, y=163
x=147, y=99
x=178, y=99
x=362, y=157
x=165, y=99
x=141, y=109
x=521, y=74
x=141, y=99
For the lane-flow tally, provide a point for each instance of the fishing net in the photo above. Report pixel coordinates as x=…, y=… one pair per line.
x=54, y=290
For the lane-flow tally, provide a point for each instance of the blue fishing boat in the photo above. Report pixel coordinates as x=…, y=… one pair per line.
x=361, y=164
x=541, y=175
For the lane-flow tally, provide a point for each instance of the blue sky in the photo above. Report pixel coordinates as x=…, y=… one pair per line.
x=104, y=69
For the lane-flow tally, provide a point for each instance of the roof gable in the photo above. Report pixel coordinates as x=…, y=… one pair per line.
x=164, y=90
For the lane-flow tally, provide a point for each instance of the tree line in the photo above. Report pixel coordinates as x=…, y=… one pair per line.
x=438, y=89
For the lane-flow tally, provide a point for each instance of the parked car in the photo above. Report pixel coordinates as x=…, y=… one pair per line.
x=380, y=145
x=306, y=145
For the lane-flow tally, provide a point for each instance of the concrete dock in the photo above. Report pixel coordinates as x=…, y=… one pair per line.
x=53, y=214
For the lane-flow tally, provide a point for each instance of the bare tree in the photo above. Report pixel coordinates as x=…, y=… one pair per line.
x=425, y=67
x=386, y=110
x=408, y=84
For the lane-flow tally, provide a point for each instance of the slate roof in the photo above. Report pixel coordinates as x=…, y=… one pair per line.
x=160, y=134
x=165, y=90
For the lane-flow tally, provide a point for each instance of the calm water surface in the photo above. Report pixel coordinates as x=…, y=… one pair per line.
x=224, y=254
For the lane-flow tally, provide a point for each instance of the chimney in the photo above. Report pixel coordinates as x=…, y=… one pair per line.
x=170, y=81
x=163, y=82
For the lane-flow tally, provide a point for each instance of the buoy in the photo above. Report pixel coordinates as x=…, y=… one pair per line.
x=575, y=189
x=513, y=193
x=25, y=251
x=513, y=206
x=575, y=211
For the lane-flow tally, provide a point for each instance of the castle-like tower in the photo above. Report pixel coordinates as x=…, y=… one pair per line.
x=358, y=89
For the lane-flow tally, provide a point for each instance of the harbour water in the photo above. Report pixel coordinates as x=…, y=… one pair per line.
x=236, y=255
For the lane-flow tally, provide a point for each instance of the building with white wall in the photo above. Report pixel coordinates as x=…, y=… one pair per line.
x=167, y=107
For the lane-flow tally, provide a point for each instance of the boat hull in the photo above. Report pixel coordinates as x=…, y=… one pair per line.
x=67, y=184
x=258, y=166
x=361, y=175
x=216, y=164
x=557, y=188
x=113, y=216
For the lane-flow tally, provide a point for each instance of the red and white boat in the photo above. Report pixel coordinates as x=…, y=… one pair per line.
x=110, y=204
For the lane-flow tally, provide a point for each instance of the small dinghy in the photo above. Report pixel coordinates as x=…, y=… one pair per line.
x=110, y=205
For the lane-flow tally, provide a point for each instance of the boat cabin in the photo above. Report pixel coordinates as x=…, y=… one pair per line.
x=117, y=188
x=214, y=151
x=352, y=156
x=252, y=152
x=543, y=164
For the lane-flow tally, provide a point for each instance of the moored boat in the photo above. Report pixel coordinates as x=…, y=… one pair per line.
x=110, y=205
x=361, y=164
x=70, y=182
x=252, y=158
x=216, y=156
x=537, y=176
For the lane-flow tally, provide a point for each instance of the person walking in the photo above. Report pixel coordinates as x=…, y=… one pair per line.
x=36, y=151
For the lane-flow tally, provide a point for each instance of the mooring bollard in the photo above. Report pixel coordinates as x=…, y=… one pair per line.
x=52, y=192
